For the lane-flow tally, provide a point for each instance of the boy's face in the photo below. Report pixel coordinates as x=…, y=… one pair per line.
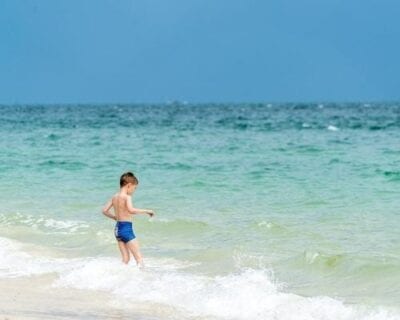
x=131, y=188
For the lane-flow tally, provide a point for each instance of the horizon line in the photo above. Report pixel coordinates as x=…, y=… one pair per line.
x=186, y=102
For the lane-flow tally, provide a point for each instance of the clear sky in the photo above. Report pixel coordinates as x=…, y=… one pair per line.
x=68, y=51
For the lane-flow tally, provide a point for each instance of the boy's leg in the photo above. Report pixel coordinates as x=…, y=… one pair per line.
x=133, y=247
x=124, y=252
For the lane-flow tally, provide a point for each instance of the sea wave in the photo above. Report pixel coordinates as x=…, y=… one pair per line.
x=41, y=222
x=245, y=294
x=240, y=117
x=350, y=263
x=15, y=262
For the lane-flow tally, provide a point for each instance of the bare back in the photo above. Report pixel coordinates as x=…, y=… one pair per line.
x=119, y=202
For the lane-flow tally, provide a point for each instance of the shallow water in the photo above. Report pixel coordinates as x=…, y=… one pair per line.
x=268, y=208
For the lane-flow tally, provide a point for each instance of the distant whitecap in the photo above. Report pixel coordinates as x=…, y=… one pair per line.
x=332, y=128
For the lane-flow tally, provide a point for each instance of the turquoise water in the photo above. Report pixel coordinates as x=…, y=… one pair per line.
x=265, y=207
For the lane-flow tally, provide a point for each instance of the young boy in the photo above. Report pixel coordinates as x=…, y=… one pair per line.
x=123, y=209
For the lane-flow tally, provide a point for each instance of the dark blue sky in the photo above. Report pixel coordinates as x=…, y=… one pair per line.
x=69, y=51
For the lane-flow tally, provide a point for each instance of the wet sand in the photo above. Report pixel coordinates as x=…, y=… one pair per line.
x=32, y=298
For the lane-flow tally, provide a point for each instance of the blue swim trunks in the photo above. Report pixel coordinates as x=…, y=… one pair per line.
x=124, y=231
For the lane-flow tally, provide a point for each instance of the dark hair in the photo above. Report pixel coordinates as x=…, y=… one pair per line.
x=128, y=177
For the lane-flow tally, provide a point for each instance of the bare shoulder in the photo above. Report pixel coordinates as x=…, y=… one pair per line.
x=117, y=196
x=121, y=196
x=114, y=196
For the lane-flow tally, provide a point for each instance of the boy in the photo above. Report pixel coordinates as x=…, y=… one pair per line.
x=122, y=203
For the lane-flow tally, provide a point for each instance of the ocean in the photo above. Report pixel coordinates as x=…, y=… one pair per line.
x=263, y=211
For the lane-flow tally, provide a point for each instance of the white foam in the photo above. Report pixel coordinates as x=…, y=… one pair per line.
x=65, y=224
x=16, y=263
x=265, y=223
x=246, y=294
x=332, y=128
x=311, y=256
x=42, y=222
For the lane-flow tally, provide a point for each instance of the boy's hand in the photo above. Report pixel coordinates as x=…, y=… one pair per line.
x=150, y=213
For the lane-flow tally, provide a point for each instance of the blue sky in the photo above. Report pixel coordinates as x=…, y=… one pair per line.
x=79, y=51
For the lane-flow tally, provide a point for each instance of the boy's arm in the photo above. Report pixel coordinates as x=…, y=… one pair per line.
x=106, y=210
x=133, y=210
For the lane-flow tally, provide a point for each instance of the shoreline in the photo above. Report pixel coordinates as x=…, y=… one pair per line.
x=33, y=298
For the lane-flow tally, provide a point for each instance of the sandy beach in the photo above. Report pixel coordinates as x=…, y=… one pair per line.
x=33, y=298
